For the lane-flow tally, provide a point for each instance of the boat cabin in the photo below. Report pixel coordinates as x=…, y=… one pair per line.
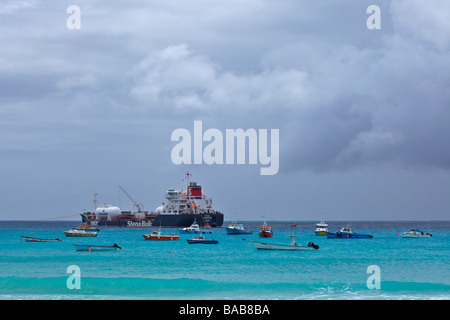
x=346, y=230
x=321, y=227
x=236, y=225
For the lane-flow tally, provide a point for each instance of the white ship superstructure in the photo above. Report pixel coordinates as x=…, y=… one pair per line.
x=189, y=201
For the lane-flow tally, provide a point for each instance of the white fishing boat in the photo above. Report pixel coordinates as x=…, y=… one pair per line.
x=416, y=233
x=237, y=228
x=321, y=228
x=293, y=246
x=193, y=228
x=81, y=231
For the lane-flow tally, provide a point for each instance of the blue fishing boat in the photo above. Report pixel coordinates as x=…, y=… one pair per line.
x=347, y=233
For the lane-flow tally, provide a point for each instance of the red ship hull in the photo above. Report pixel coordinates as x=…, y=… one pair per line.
x=265, y=234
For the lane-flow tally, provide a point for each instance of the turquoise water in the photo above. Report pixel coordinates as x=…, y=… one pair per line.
x=232, y=269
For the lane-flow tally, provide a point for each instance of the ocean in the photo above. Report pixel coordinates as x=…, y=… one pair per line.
x=340, y=269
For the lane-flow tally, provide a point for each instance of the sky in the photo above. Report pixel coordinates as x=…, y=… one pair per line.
x=363, y=114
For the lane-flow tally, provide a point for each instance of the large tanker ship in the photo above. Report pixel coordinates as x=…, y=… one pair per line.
x=181, y=209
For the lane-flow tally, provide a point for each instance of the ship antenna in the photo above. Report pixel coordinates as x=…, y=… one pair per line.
x=186, y=179
x=95, y=201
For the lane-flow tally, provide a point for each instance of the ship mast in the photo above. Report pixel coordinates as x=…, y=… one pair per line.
x=186, y=180
x=95, y=201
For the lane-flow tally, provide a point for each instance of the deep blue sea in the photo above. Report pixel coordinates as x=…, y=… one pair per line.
x=232, y=269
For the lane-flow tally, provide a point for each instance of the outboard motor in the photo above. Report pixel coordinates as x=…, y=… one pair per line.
x=311, y=244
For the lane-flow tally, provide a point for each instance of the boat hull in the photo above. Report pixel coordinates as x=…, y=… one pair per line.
x=181, y=231
x=271, y=246
x=336, y=235
x=231, y=231
x=215, y=220
x=80, y=234
x=86, y=247
x=416, y=233
x=162, y=237
x=415, y=236
x=190, y=241
x=31, y=239
x=265, y=235
x=321, y=233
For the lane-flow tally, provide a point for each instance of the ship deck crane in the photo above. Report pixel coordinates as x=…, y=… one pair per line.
x=139, y=207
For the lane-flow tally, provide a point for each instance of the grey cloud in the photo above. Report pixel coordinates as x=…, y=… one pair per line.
x=344, y=98
x=176, y=78
x=340, y=96
x=11, y=7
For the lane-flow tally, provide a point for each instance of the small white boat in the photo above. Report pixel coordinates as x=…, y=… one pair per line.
x=194, y=228
x=237, y=228
x=289, y=247
x=416, y=233
x=81, y=231
x=321, y=228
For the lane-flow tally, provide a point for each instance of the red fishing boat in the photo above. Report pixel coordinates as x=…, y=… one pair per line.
x=156, y=235
x=265, y=231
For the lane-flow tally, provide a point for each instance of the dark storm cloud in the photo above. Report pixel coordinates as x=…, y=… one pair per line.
x=348, y=105
x=350, y=96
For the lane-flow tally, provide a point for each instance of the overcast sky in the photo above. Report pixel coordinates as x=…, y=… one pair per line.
x=363, y=115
